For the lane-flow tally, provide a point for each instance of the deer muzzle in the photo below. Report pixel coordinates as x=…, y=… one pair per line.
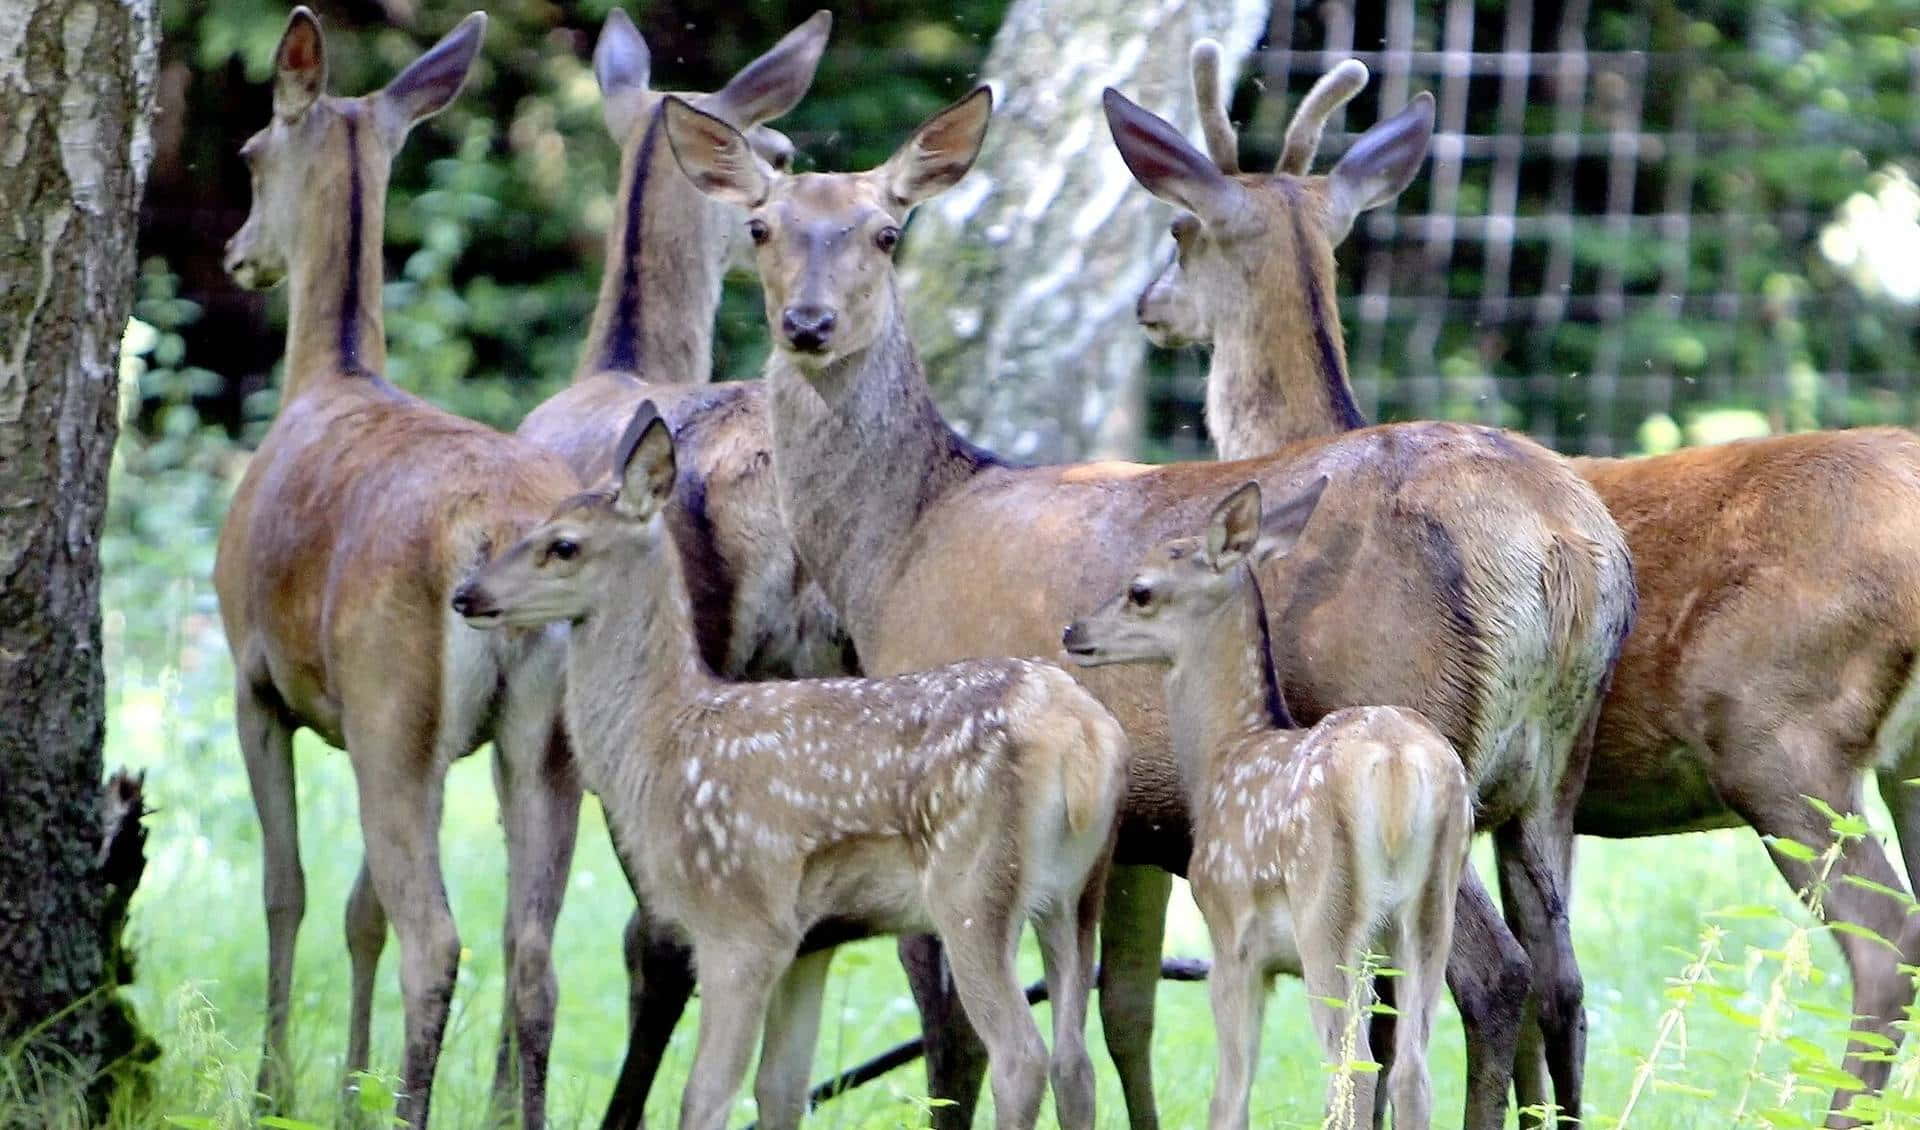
x=473, y=604
x=808, y=328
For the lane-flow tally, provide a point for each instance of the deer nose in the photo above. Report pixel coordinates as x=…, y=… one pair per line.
x=1074, y=639
x=807, y=327
x=469, y=601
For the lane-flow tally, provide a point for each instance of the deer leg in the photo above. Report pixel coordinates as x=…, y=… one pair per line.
x=1490, y=978
x=266, y=742
x=400, y=796
x=1530, y=850
x=736, y=979
x=1383, y=1035
x=956, y=1059
x=983, y=936
x=1329, y=950
x=366, y=939
x=1132, y=930
x=1775, y=808
x=1237, y=989
x=1066, y=948
x=659, y=981
x=1422, y=935
x=540, y=808
x=1536, y=880
x=786, y=1054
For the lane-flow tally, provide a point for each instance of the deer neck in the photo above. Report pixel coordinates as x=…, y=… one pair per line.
x=860, y=453
x=335, y=274
x=1279, y=371
x=632, y=663
x=660, y=286
x=1222, y=686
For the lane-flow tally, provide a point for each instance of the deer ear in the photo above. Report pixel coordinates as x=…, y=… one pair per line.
x=1234, y=528
x=646, y=464
x=776, y=82
x=622, y=65
x=940, y=152
x=299, y=66
x=1282, y=526
x=1380, y=165
x=1166, y=165
x=771, y=146
x=430, y=82
x=714, y=156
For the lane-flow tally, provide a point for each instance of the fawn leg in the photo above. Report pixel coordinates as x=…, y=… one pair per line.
x=736, y=979
x=786, y=1054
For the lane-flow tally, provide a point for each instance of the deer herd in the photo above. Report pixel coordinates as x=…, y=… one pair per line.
x=836, y=672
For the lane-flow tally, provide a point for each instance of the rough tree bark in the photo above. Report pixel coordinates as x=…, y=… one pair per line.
x=1022, y=280
x=76, y=80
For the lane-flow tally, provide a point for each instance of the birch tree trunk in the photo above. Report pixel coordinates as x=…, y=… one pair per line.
x=76, y=80
x=1021, y=281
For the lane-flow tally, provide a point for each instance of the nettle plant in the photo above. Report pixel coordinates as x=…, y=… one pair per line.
x=1782, y=1077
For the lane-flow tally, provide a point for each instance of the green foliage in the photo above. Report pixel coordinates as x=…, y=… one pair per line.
x=1785, y=1077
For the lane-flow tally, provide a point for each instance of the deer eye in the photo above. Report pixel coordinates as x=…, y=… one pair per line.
x=757, y=230
x=1139, y=595
x=564, y=549
x=886, y=238
x=1183, y=227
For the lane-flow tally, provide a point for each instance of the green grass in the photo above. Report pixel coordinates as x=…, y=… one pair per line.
x=1640, y=912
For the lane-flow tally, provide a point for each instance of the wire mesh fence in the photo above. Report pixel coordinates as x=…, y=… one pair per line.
x=1634, y=216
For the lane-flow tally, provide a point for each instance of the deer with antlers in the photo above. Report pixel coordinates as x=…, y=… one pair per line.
x=1462, y=571
x=965, y=799
x=651, y=338
x=1313, y=847
x=1779, y=617
x=360, y=512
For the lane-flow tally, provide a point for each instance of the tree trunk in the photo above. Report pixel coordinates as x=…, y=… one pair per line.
x=75, y=96
x=1022, y=280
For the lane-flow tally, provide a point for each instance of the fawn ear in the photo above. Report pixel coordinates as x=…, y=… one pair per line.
x=1380, y=165
x=1234, y=528
x=622, y=65
x=1280, y=530
x=939, y=153
x=430, y=82
x=299, y=66
x=714, y=156
x=645, y=464
x=775, y=83
x=1166, y=165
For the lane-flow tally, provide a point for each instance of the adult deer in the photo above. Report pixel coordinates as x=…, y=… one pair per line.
x=1773, y=657
x=1501, y=584
x=357, y=516
x=651, y=334
x=1313, y=847
x=967, y=799
x=651, y=338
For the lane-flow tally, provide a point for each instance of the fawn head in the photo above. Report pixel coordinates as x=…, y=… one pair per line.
x=1181, y=583
x=1272, y=232
x=561, y=570
x=321, y=144
x=825, y=240
x=765, y=89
